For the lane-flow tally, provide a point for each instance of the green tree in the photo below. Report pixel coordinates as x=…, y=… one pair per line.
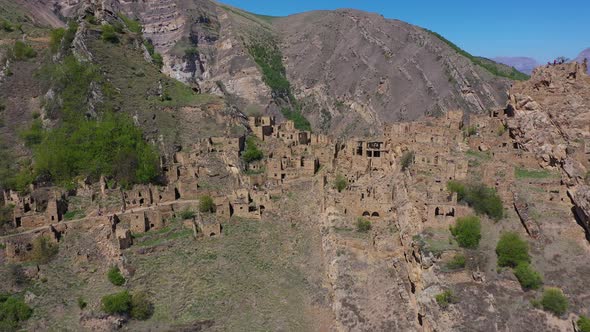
x=457, y=262
x=22, y=51
x=13, y=311
x=141, y=307
x=109, y=34
x=457, y=187
x=467, y=231
x=188, y=214
x=583, y=324
x=527, y=276
x=82, y=303
x=445, y=298
x=252, y=152
x=118, y=303
x=554, y=301
x=206, y=204
x=6, y=26
x=512, y=250
x=482, y=199
x=115, y=276
x=55, y=38
x=485, y=200
x=340, y=182
x=407, y=159
x=363, y=225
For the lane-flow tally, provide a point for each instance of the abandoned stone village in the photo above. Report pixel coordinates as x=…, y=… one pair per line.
x=396, y=181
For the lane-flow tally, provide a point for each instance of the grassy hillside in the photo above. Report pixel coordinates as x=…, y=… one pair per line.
x=493, y=67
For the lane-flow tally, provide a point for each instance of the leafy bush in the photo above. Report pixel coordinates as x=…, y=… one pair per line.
x=527, y=276
x=82, y=303
x=512, y=250
x=457, y=187
x=340, y=182
x=58, y=35
x=363, y=225
x=115, y=276
x=156, y=57
x=297, y=117
x=141, y=307
x=13, y=311
x=554, y=301
x=55, y=38
x=467, y=231
x=137, y=306
x=22, y=51
x=118, y=303
x=407, y=159
x=6, y=26
x=446, y=298
x=43, y=250
x=187, y=214
x=482, y=199
x=458, y=262
x=583, y=324
x=109, y=34
x=206, y=204
x=252, y=152
x=470, y=131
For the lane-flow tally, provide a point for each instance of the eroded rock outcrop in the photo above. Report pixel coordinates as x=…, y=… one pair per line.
x=550, y=116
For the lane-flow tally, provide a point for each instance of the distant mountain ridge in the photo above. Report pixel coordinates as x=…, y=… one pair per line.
x=585, y=54
x=521, y=63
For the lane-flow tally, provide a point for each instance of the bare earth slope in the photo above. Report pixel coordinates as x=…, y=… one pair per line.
x=359, y=69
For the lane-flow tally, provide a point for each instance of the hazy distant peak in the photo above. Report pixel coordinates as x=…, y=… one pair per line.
x=522, y=64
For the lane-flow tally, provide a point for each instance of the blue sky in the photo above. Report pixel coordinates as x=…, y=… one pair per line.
x=539, y=29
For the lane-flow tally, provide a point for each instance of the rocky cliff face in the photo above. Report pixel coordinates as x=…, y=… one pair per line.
x=551, y=118
x=350, y=70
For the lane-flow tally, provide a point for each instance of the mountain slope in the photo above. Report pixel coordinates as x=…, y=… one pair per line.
x=346, y=71
x=359, y=69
